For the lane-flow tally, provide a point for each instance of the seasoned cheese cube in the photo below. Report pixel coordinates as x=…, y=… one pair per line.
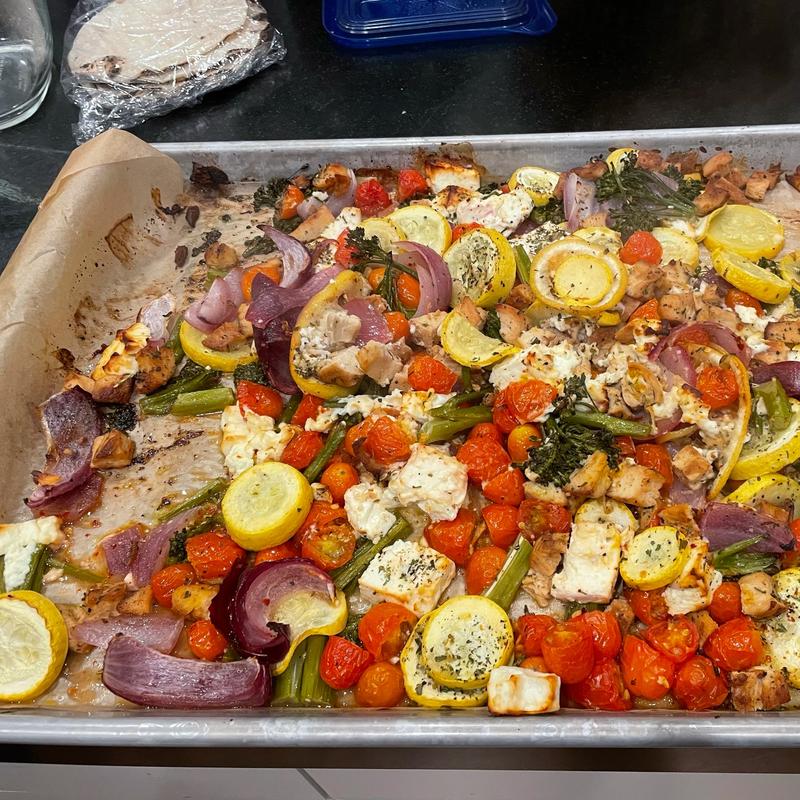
x=515, y=691
x=18, y=542
x=442, y=172
x=591, y=562
x=250, y=439
x=407, y=573
x=368, y=510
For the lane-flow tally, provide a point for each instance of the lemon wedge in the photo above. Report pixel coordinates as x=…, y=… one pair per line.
x=654, y=559
x=789, y=266
x=677, y=246
x=614, y=159
x=33, y=645
x=766, y=454
x=604, y=239
x=383, y=230
x=778, y=490
x=750, y=232
x=421, y=224
x=467, y=346
x=483, y=267
x=762, y=284
x=538, y=182
x=265, y=505
x=226, y=361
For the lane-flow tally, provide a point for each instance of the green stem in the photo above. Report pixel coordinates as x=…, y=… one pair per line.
x=523, y=263
x=452, y=408
x=210, y=493
x=466, y=378
x=160, y=402
x=174, y=341
x=286, y=689
x=313, y=690
x=291, y=406
x=605, y=422
x=33, y=580
x=509, y=579
x=206, y=401
x=335, y=438
x=779, y=411
x=74, y=571
x=443, y=430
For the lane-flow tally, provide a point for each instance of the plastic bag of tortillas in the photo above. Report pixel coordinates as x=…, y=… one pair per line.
x=128, y=60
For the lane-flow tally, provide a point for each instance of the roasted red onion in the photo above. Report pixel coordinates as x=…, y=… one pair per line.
x=120, y=549
x=374, y=327
x=678, y=361
x=668, y=424
x=159, y=631
x=156, y=315
x=308, y=207
x=721, y=336
x=74, y=504
x=787, y=372
x=579, y=201
x=149, y=678
x=220, y=611
x=220, y=304
x=337, y=201
x=435, y=281
x=724, y=524
x=679, y=492
x=296, y=259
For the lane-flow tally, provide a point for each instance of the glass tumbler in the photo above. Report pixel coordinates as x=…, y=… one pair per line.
x=26, y=56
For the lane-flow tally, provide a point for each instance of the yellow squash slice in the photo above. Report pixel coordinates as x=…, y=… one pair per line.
x=538, y=182
x=483, y=267
x=751, y=232
x=767, y=453
x=383, y=230
x=775, y=489
x=762, y=284
x=421, y=224
x=467, y=346
x=226, y=361
x=677, y=246
x=654, y=559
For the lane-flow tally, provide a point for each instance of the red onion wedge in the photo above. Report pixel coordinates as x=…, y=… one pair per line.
x=720, y=335
x=220, y=611
x=148, y=678
x=679, y=492
x=220, y=304
x=787, y=372
x=75, y=503
x=296, y=259
x=159, y=631
x=435, y=281
x=678, y=361
x=344, y=192
x=579, y=201
x=724, y=524
x=374, y=327
x=120, y=549
x=308, y=207
x=156, y=315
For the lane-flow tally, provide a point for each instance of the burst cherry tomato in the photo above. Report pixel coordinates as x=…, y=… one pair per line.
x=726, y=602
x=656, y=457
x=309, y=408
x=205, y=641
x=426, y=372
x=735, y=645
x=167, y=580
x=535, y=663
x=269, y=269
x=281, y=552
x=484, y=458
x=648, y=310
x=646, y=672
x=302, y=449
x=453, y=537
x=650, y=607
x=568, y=652
x=502, y=524
x=387, y=442
x=531, y=629
x=356, y=435
x=486, y=430
x=537, y=517
x=380, y=686
x=460, y=230
x=320, y=515
x=338, y=478
x=506, y=488
x=212, y=554
x=329, y=546
x=292, y=197
x=692, y=335
x=398, y=323
x=343, y=662
x=385, y=629
x=259, y=399
x=371, y=197
x=602, y=689
x=698, y=687
x=606, y=635
x=408, y=289
x=410, y=183
x=345, y=252
x=677, y=638
x=735, y=297
x=627, y=448
x=641, y=246
x=522, y=439
x=717, y=387
x=482, y=568
x=525, y=400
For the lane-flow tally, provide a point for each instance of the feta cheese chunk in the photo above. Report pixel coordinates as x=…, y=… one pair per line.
x=19, y=540
x=549, y=363
x=515, y=691
x=693, y=589
x=349, y=218
x=503, y=212
x=407, y=573
x=442, y=172
x=368, y=510
x=590, y=566
x=431, y=480
x=251, y=439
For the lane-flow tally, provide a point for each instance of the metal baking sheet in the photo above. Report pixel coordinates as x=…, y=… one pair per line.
x=411, y=727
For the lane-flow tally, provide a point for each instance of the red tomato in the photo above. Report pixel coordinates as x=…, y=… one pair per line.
x=484, y=458
x=531, y=629
x=329, y=546
x=656, y=457
x=522, y=439
x=426, y=372
x=410, y=183
x=486, y=430
x=677, y=638
x=602, y=689
x=717, y=387
x=648, y=310
x=627, y=448
x=309, y=408
x=345, y=252
x=259, y=399
x=380, y=686
x=453, y=537
x=302, y=449
x=269, y=269
x=502, y=524
x=460, y=230
x=692, y=336
x=371, y=197
x=167, y=580
x=606, y=635
x=408, y=290
x=646, y=672
x=698, y=687
x=482, y=568
x=735, y=645
x=535, y=663
x=212, y=554
x=641, y=246
x=568, y=652
x=385, y=629
x=398, y=323
x=281, y=552
x=205, y=641
x=792, y=557
x=537, y=517
x=387, y=442
x=292, y=197
x=726, y=603
x=506, y=488
x=503, y=419
x=735, y=297
x=650, y=607
x=338, y=478
x=343, y=662
x=526, y=400
x=356, y=436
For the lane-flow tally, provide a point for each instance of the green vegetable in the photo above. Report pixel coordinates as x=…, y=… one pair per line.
x=252, y=371
x=345, y=577
x=779, y=411
x=289, y=409
x=466, y=378
x=74, y=571
x=210, y=493
x=286, y=225
x=492, y=325
x=733, y=560
x=453, y=406
x=769, y=264
x=506, y=585
x=174, y=341
x=795, y=295
x=335, y=438
x=567, y=441
x=552, y=211
x=268, y=195
x=605, y=422
x=313, y=690
x=258, y=246
x=206, y=401
x=121, y=416
x=207, y=239
x=231, y=654
x=523, y=264
x=177, y=545
x=350, y=631
x=212, y=273
x=2, y=573
x=372, y=388
x=286, y=690
x=33, y=580
x=443, y=430
x=191, y=378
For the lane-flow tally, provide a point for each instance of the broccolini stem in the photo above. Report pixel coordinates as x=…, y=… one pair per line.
x=313, y=690
x=74, y=571
x=523, y=263
x=335, y=438
x=174, y=341
x=291, y=406
x=210, y=493
x=453, y=406
x=509, y=579
x=442, y=430
x=286, y=690
x=160, y=402
x=206, y=401
x=33, y=580
x=605, y=422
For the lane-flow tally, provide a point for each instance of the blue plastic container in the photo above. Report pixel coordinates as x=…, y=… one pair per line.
x=383, y=23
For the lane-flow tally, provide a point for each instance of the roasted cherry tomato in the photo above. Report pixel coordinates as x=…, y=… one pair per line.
x=343, y=662
x=281, y=552
x=357, y=435
x=486, y=430
x=792, y=557
x=212, y=554
x=526, y=400
x=329, y=546
x=167, y=580
x=602, y=689
x=735, y=297
x=606, y=635
x=627, y=448
x=657, y=458
x=506, y=488
x=380, y=686
x=454, y=537
x=650, y=607
x=408, y=288
x=385, y=629
x=717, y=387
x=646, y=672
x=292, y=197
x=309, y=408
x=426, y=372
x=692, y=335
x=482, y=568
x=535, y=663
x=302, y=449
x=270, y=269
x=410, y=183
x=205, y=641
x=641, y=246
x=697, y=685
x=735, y=645
x=531, y=629
x=371, y=197
x=345, y=252
x=387, y=442
x=320, y=515
x=484, y=458
x=569, y=652
x=502, y=524
x=521, y=439
x=647, y=310
x=677, y=638
x=398, y=323
x=460, y=230
x=537, y=517
x=259, y=399
x=726, y=602
x=338, y=478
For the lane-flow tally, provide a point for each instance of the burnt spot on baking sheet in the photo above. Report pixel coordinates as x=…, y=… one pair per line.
x=183, y=438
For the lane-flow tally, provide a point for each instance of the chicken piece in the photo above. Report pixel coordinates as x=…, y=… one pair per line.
x=512, y=323
x=474, y=315
x=776, y=512
x=691, y=465
x=793, y=179
x=448, y=200
x=737, y=178
x=636, y=485
x=382, y=362
x=591, y=170
x=521, y=297
x=687, y=162
x=651, y=160
x=342, y=368
x=221, y=255
x=758, y=600
x=761, y=181
x=704, y=623
x=718, y=164
x=674, y=275
x=677, y=307
x=139, y=603
x=713, y=313
x=225, y=337
x=597, y=220
x=545, y=494
x=680, y=516
x=425, y=329
x=332, y=178
x=693, y=589
x=616, y=405
x=548, y=549
x=337, y=326
x=156, y=366
x=786, y=330
x=245, y=326
x=592, y=479
x=101, y=601
x=775, y=352
x=112, y=450
x=623, y=612
x=759, y=689
x=735, y=194
x=311, y=228
x=711, y=198
x=640, y=387
x=642, y=278
x=106, y=389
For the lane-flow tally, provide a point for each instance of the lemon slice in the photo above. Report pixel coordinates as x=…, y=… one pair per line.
x=762, y=284
x=467, y=346
x=483, y=267
x=750, y=232
x=538, y=182
x=465, y=639
x=383, y=230
x=778, y=490
x=790, y=268
x=614, y=159
x=265, y=505
x=677, y=246
x=226, y=361
x=421, y=224
x=572, y=275
x=604, y=239
x=770, y=453
x=654, y=559
x=33, y=645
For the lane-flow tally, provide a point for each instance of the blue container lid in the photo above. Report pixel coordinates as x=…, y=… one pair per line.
x=380, y=23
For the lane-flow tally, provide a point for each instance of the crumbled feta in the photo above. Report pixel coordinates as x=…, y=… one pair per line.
x=368, y=507
x=667, y=407
x=695, y=586
x=589, y=572
x=503, y=212
x=249, y=439
x=515, y=691
x=321, y=196
x=313, y=349
x=550, y=363
x=693, y=412
x=18, y=542
x=533, y=241
x=349, y=218
x=750, y=316
x=756, y=344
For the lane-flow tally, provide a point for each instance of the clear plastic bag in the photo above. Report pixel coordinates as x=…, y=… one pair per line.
x=128, y=60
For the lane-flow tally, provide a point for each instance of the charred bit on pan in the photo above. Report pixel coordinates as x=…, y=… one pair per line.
x=181, y=254
x=192, y=215
x=207, y=176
